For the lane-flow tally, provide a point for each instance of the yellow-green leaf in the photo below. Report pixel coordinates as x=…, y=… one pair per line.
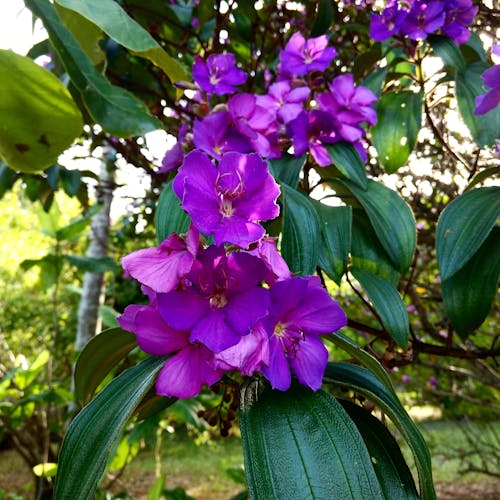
x=38, y=117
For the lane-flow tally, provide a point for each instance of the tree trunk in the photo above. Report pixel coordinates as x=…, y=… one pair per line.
x=93, y=283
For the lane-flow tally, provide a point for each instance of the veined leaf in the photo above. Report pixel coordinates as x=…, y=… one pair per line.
x=448, y=51
x=38, y=117
x=470, y=292
x=92, y=435
x=169, y=216
x=118, y=111
x=287, y=168
x=388, y=303
x=347, y=160
x=398, y=123
x=364, y=382
x=463, y=226
x=392, y=219
x=301, y=231
x=113, y=20
x=101, y=354
x=301, y=444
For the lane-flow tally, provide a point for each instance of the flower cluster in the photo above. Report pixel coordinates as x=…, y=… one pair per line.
x=491, y=78
x=416, y=19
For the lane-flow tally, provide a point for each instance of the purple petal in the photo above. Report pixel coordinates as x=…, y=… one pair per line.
x=310, y=362
x=491, y=76
x=199, y=170
x=487, y=102
x=127, y=319
x=278, y=371
x=212, y=331
x=238, y=231
x=245, y=308
x=182, y=309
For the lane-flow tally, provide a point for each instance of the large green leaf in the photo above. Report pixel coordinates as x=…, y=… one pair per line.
x=365, y=358
x=169, y=216
x=392, y=471
x=287, y=168
x=448, y=51
x=463, y=226
x=324, y=18
x=399, y=119
x=101, y=354
x=93, y=434
x=469, y=293
x=347, y=160
x=301, y=231
x=388, y=304
x=301, y=444
x=38, y=117
x=113, y=20
x=364, y=382
x=367, y=252
x=392, y=219
x=91, y=264
x=335, y=225
x=485, y=129
x=117, y=111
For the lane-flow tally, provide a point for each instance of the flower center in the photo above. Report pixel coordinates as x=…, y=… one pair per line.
x=280, y=330
x=226, y=207
x=218, y=301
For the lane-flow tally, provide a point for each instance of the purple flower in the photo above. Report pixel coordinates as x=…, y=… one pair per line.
x=162, y=268
x=490, y=100
x=216, y=135
x=254, y=122
x=173, y=157
x=387, y=23
x=284, y=101
x=301, y=56
x=228, y=201
x=223, y=301
x=300, y=311
x=218, y=74
x=459, y=15
x=266, y=250
x=422, y=19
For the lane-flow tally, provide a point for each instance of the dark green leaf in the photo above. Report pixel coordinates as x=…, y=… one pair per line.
x=287, y=168
x=347, y=160
x=485, y=129
x=367, y=252
x=335, y=223
x=38, y=115
x=470, y=292
x=71, y=181
x=7, y=178
x=108, y=316
x=118, y=111
x=475, y=44
x=463, y=226
x=113, y=20
x=482, y=176
x=76, y=227
x=324, y=18
x=366, y=61
x=101, y=354
x=301, y=231
x=388, y=303
x=399, y=119
x=301, y=444
x=94, y=432
x=392, y=471
x=364, y=357
x=392, y=219
x=169, y=216
x=448, y=51
x=364, y=382
x=91, y=264
x=375, y=81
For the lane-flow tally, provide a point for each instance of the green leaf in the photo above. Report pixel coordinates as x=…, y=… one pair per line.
x=117, y=111
x=399, y=120
x=76, y=227
x=367, y=252
x=335, y=223
x=463, y=226
x=301, y=444
x=388, y=303
x=470, y=292
x=38, y=116
x=485, y=129
x=93, y=433
x=108, y=316
x=156, y=491
x=71, y=181
x=482, y=176
x=347, y=160
x=448, y=51
x=365, y=358
x=375, y=81
x=392, y=219
x=287, y=168
x=101, y=354
x=91, y=264
x=324, y=18
x=113, y=20
x=390, y=466
x=364, y=382
x=7, y=178
x=169, y=216
x=301, y=231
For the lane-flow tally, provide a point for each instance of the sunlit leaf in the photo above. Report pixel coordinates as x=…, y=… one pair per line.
x=38, y=117
x=169, y=215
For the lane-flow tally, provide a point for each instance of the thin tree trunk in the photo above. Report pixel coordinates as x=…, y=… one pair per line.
x=89, y=322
